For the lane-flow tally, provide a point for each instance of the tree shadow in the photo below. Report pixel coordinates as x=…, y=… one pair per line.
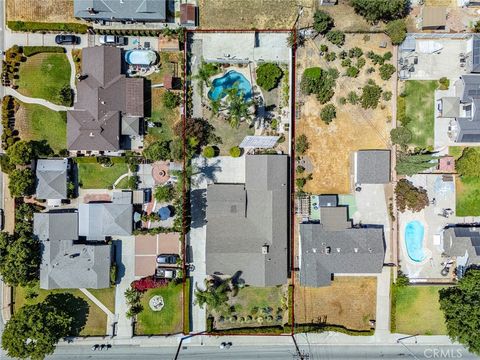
x=76, y=307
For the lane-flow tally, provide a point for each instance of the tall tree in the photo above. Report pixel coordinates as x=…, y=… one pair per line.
x=380, y=10
x=460, y=305
x=21, y=260
x=21, y=153
x=410, y=197
x=22, y=182
x=215, y=296
x=238, y=108
x=469, y=163
x=322, y=22
x=409, y=165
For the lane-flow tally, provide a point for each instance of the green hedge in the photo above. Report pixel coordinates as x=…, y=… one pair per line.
x=32, y=50
x=301, y=328
x=29, y=26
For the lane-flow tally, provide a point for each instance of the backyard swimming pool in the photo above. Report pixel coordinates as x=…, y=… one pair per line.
x=226, y=82
x=414, y=232
x=140, y=57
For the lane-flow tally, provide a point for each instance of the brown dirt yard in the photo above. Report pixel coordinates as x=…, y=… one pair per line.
x=349, y=301
x=41, y=11
x=354, y=128
x=249, y=14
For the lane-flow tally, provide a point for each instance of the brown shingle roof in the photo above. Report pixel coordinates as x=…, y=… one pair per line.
x=187, y=14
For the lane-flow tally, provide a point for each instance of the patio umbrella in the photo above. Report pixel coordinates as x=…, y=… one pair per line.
x=137, y=217
x=164, y=213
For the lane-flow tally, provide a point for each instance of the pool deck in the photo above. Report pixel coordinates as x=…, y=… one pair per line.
x=429, y=269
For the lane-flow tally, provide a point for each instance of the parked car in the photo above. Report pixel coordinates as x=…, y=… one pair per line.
x=113, y=40
x=2, y=219
x=167, y=259
x=66, y=39
x=165, y=273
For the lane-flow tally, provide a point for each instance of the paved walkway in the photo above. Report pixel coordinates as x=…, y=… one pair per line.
x=120, y=178
x=73, y=83
x=125, y=259
x=382, y=324
x=110, y=315
x=30, y=100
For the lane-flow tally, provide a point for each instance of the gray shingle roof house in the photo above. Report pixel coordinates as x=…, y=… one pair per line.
x=247, y=224
x=372, y=166
x=98, y=220
x=121, y=10
x=52, y=178
x=66, y=263
x=463, y=243
x=334, y=247
x=104, y=97
x=473, y=57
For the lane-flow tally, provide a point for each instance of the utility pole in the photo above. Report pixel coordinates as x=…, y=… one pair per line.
x=300, y=354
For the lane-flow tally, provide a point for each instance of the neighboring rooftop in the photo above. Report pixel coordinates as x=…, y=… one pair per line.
x=188, y=14
x=434, y=17
x=121, y=10
x=467, y=90
x=334, y=247
x=104, y=96
x=372, y=166
x=463, y=243
x=51, y=179
x=247, y=224
x=67, y=264
x=98, y=220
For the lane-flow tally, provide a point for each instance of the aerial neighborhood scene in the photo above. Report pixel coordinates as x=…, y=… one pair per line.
x=275, y=179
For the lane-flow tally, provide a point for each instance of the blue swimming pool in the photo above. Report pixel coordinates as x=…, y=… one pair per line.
x=414, y=232
x=140, y=57
x=228, y=81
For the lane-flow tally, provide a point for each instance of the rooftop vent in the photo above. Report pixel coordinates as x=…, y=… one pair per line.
x=355, y=250
x=338, y=249
x=370, y=250
x=328, y=250
x=265, y=249
x=91, y=134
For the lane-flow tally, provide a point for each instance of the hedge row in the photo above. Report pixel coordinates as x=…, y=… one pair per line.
x=30, y=26
x=32, y=50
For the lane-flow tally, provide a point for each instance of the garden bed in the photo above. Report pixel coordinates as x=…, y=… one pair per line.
x=92, y=175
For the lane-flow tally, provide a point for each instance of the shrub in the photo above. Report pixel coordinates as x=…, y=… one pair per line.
x=444, y=83
x=148, y=282
x=164, y=193
x=346, y=62
x=386, y=71
x=209, y=152
x=328, y=113
x=235, y=151
x=171, y=99
x=476, y=27
x=361, y=62
x=318, y=81
x=301, y=145
x=352, y=71
x=336, y=37
x=322, y=22
x=268, y=76
x=352, y=97
x=323, y=48
x=32, y=50
x=342, y=54
x=400, y=135
x=387, y=56
x=355, y=52
x=410, y=197
x=387, y=95
x=22, y=182
x=376, y=59
x=156, y=151
x=469, y=163
x=65, y=96
x=300, y=169
x=30, y=26
x=113, y=274
x=370, y=95
x=377, y=10
x=300, y=182
x=397, y=31
x=342, y=100
x=331, y=56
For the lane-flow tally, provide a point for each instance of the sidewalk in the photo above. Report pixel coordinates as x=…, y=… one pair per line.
x=29, y=100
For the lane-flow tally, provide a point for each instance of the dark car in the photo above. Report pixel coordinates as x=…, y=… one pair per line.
x=167, y=259
x=66, y=39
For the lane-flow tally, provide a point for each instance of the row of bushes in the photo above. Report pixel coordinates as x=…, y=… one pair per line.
x=9, y=135
x=167, y=32
x=32, y=50
x=31, y=26
x=153, y=231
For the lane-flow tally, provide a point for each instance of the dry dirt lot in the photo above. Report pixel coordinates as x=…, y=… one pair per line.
x=42, y=11
x=249, y=14
x=354, y=128
x=350, y=301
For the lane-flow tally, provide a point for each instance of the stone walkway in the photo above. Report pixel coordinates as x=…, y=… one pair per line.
x=30, y=100
x=73, y=83
x=120, y=178
x=110, y=315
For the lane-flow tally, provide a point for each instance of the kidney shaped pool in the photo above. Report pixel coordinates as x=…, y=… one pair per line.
x=228, y=81
x=414, y=232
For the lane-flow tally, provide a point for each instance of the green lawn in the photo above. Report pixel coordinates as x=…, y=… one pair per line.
x=37, y=122
x=166, y=321
x=92, y=175
x=230, y=137
x=418, y=311
x=96, y=319
x=106, y=297
x=419, y=108
x=43, y=76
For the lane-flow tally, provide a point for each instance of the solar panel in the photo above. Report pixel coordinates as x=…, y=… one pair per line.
x=470, y=138
x=259, y=142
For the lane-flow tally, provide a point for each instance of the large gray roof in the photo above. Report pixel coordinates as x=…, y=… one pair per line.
x=51, y=178
x=117, y=10
x=372, y=167
x=243, y=219
x=326, y=252
x=98, y=220
x=67, y=264
x=474, y=58
x=103, y=97
x=461, y=241
x=468, y=90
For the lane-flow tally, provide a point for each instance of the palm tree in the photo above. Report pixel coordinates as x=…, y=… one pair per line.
x=204, y=73
x=214, y=296
x=215, y=106
x=238, y=108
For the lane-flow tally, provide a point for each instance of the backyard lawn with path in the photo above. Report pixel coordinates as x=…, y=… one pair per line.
x=419, y=108
x=37, y=122
x=92, y=175
x=166, y=321
x=105, y=296
x=418, y=311
x=43, y=76
x=96, y=319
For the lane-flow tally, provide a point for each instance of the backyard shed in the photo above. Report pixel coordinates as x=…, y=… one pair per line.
x=434, y=17
x=372, y=167
x=188, y=14
x=258, y=142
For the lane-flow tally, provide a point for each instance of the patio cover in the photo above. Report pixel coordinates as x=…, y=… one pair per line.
x=434, y=17
x=450, y=107
x=428, y=46
x=259, y=142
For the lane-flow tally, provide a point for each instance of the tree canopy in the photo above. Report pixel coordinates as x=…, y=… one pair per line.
x=397, y=31
x=20, y=259
x=386, y=71
x=164, y=193
x=318, y=81
x=410, y=197
x=171, y=99
x=22, y=182
x=301, y=144
x=370, y=95
x=400, y=135
x=268, y=76
x=380, y=10
x=21, y=153
x=322, y=22
x=469, y=163
x=336, y=37
x=462, y=314
x=159, y=150
x=328, y=113
x=409, y=165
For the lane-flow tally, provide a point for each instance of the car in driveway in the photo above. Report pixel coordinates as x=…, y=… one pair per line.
x=64, y=39
x=165, y=273
x=113, y=40
x=167, y=259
